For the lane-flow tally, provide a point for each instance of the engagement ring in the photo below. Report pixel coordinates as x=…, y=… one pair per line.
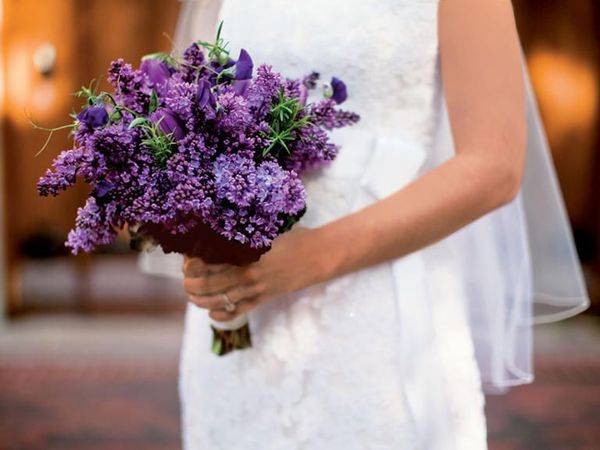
x=229, y=305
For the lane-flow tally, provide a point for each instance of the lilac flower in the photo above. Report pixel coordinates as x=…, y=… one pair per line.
x=193, y=55
x=66, y=167
x=235, y=114
x=132, y=87
x=325, y=114
x=279, y=190
x=93, y=116
x=91, y=228
x=259, y=194
x=234, y=178
x=191, y=66
x=109, y=149
x=180, y=98
x=264, y=89
x=102, y=191
x=312, y=151
x=293, y=88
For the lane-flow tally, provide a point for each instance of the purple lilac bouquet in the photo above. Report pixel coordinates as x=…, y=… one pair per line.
x=200, y=154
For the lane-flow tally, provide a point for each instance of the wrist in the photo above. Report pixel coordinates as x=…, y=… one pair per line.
x=328, y=255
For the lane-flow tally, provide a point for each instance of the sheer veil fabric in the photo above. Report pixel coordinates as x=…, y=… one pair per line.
x=517, y=264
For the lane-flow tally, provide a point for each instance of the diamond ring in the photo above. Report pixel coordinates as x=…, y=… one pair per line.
x=229, y=305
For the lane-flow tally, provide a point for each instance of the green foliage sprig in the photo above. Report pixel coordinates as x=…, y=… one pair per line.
x=162, y=145
x=284, y=118
x=217, y=49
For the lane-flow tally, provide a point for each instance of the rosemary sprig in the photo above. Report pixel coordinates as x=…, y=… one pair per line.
x=162, y=145
x=218, y=49
x=284, y=118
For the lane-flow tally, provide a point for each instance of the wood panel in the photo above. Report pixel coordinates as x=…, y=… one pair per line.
x=561, y=42
x=87, y=35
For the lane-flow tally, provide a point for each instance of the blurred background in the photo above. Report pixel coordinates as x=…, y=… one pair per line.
x=89, y=346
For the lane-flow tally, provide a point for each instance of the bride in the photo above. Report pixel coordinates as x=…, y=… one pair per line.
x=430, y=246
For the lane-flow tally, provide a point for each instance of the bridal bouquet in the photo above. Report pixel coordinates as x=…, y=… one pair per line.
x=200, y=154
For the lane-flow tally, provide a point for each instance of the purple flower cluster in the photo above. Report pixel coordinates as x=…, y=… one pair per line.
x=197, y=141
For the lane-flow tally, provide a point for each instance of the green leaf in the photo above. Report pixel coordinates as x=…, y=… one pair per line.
x=230, y=72
x=137, y=122
x=216, y=346
x=216, y=51
x=115, y=115
x=165, y=57
x=161, y=56
x=219, y=30
x=286, y=148
x=154, y=102
x=291, y=219
x=89, y=93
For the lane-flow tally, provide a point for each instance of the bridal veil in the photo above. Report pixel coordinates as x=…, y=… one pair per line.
x=519, y=262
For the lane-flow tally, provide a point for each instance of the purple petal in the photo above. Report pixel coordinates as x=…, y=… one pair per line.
x=158, y=72
x=241, y=86
x=169, y=123
x=340, y=93
x=243, y=66
x=94, y=116
x=204, y=95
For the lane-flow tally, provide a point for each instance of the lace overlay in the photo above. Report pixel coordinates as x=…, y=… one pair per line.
x=346, y=364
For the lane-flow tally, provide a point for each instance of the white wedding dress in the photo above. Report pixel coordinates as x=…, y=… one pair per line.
x=382, y=358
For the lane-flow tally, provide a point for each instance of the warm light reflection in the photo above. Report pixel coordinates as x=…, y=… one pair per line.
x=18, y=78
x=567, y=92
x=1, y=61
x=27, y=91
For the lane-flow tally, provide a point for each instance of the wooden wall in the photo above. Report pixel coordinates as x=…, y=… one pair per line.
x=87, y=35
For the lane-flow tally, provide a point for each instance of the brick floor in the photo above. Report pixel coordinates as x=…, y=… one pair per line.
x=89, y=407
x=109, y=383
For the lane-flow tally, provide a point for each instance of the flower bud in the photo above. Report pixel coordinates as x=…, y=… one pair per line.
x=94, y=116
x=339, y=94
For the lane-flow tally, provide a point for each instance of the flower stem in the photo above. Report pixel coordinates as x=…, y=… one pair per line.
x=226, y=341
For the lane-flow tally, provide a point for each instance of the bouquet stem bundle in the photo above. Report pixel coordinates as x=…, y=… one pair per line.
x=231, y=335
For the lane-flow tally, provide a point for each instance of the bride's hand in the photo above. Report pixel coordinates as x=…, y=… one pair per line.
x=293, y=263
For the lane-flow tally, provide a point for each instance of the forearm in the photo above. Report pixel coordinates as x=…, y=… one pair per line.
x=435, y=205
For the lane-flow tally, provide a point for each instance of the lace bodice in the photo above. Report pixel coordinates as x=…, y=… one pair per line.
x=384, y=50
